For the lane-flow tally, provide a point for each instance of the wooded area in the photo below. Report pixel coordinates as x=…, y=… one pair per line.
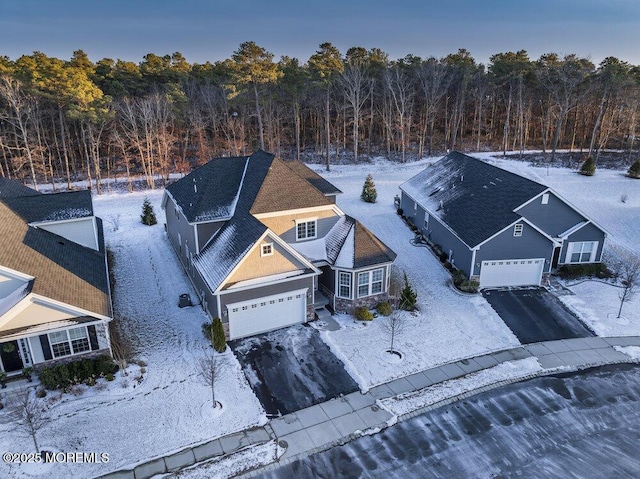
x=63, y=121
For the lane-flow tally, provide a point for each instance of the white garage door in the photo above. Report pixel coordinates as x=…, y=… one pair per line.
x=513, y=272
x=264, y=314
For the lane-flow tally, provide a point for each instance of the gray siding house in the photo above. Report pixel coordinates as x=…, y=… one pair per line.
x=265, y=244
x=499, y=228
x=55, y=302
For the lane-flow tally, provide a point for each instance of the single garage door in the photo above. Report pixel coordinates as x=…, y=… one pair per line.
x=513, y=272
x=255, y=316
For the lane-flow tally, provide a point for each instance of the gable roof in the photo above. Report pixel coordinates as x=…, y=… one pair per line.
x=284, y=189
x=63, y=270
x=52, y=206
x=475, y=199
x=210, y=192
x=312, y=177
x=10, y=188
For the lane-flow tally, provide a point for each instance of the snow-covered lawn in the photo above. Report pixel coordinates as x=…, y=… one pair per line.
x=451, y=326
x=171, y=408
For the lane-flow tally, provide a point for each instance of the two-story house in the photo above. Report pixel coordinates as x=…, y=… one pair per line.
x=499, y=228
x=265, y=244
x=55, y=301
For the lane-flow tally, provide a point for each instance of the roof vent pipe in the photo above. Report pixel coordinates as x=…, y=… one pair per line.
x=195, y=187
x=461, y=178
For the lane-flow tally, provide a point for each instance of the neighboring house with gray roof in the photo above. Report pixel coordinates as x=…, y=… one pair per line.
x=265, y=245
x=55, y=301
x=500, y=228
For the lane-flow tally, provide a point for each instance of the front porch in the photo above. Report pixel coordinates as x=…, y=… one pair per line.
x=320, y=300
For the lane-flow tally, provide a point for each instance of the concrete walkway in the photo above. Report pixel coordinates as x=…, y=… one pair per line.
x=343, y=419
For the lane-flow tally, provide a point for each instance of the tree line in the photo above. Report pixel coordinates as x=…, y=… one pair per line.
x=68, y=120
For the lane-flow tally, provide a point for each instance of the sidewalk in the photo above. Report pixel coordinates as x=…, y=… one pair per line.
x=343, y=419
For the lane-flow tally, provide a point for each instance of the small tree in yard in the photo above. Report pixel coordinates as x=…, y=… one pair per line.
x=148, y=217
x=588, y=168
x=29, y=415
x=218, y=339
x=408, y=297
x=208, y=370
x=634, y=171
x=369, y=193
x=393, y=325
x=628, y=272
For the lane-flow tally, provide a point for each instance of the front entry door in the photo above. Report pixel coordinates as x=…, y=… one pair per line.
x=10, y=356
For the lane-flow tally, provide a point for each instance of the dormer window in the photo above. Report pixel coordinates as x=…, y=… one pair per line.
x=266, y=249
x=305, y=229
x=517, y=229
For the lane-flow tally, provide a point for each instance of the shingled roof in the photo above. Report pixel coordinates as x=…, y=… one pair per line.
x=312, y=177
x=210, y=192
x=52, y=207
x=10, y=188
x=284, y=189
x=63, y=270
x=475, y=199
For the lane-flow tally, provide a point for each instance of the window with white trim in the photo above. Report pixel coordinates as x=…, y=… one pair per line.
x=266, y=249
x=426, y=221
x=306, y=229
x=517, y=229
x=370, y=282
x=582, y=252
x=344, y=284
x=69, y=341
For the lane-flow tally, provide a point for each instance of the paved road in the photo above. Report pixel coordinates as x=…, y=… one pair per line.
x=535, y=315
x=583, y=424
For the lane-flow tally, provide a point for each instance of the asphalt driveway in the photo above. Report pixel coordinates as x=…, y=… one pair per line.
x=291, y=369
x=534, y=314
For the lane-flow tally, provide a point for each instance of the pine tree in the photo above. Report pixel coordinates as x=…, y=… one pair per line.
x=408, y=297
x=588, y=168
x=148, y=217
x=369, y=193
x=218, y=337
x=634, y=171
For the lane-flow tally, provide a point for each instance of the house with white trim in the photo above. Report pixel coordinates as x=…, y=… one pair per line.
x=500, y=228
x=265, y=244
x=55, y=301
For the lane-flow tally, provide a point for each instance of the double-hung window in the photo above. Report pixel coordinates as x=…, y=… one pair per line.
x=370, y=282
x=344, y=284
x=517, y=229
x=71, y=341
x=305, y=229
x=582, y=252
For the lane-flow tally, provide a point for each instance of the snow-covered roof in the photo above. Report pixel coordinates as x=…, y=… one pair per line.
x=475, y=199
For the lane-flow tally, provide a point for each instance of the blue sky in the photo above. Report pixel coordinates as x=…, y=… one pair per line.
x=211, y=30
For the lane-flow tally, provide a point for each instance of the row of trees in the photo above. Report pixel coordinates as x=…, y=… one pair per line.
x=75, y=119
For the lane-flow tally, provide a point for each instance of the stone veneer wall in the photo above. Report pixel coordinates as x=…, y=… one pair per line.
x=348, y=305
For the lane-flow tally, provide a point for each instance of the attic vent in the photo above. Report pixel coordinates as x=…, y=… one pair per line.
x=434, y=192
x=441, y=206
x=61, y=243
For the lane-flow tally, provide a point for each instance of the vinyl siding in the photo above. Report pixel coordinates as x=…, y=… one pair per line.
x=79, y=231
x=257, y=266
x=441, y=236
x=323, y=226
x=177, y=225
x=554, y=218
x=285, y=225
x=588, y=232
x=206, y=232
x=531, y=244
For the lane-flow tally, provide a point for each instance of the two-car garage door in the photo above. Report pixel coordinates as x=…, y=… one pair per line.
x=514, y=272
x=269, y=312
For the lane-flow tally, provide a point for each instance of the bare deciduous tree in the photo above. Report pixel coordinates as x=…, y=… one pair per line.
x=208, y=370
x=393, y=325
x=627, y=270
x=28, y=414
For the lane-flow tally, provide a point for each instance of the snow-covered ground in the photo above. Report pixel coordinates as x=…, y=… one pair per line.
x=171, y=408
x=451, y=326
